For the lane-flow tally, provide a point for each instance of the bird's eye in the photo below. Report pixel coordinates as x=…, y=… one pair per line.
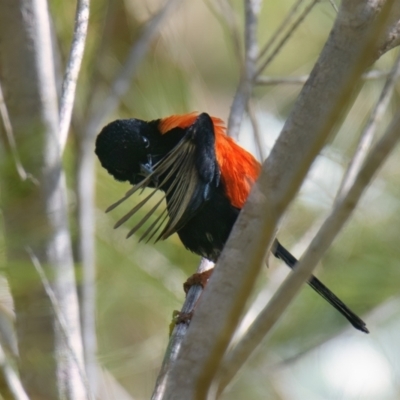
x=145, y=142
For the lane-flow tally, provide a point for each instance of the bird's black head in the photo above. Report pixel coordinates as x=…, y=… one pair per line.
x=123, y=148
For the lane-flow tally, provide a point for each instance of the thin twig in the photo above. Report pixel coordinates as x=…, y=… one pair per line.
x=179, y=333
x=290, y=80
x=300, y=80
x=282, y=42
x=333, y=4
x=319, y=245
x=256, y=131
x=59, y=317
x=28, y=80
x=280, y=29
x=9, y=141
x=369, y=133
x=12, y=379
x=72, y=70
x=243, y=92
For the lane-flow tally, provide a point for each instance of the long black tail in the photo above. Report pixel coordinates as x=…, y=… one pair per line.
x=321, y=289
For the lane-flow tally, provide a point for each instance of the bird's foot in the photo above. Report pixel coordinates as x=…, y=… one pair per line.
x=198, y=279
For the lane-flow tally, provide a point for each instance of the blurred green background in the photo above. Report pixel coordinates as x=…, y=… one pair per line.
x=192, y=65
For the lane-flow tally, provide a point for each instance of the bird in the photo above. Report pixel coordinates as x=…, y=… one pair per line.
x=205, y=178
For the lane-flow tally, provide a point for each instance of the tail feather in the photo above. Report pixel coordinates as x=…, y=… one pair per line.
x=283, y=254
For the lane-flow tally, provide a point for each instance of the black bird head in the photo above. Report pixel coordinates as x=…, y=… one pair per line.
x=124, y=148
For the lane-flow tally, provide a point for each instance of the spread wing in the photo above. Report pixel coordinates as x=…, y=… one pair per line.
x=176, y=174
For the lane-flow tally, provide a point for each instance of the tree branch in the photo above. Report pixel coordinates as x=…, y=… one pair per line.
x=286, y=37
x=301, y=80
x=36, y=215
x=322, y=101
x=59, y=317
x=178, y=334
x=9, y=139
x=242, y=96
x=13, y=382
x=284, y=24
x=368, y=134
x=319, y=245
x=72, y=70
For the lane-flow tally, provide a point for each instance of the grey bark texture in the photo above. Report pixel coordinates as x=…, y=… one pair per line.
x=35, y=209
x=355, y=42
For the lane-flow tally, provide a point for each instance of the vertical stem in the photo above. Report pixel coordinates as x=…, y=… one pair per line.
x=35, y=211
x=86, y=256
x=243, y=92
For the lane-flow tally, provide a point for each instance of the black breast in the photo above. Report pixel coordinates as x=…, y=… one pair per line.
x=208, y=230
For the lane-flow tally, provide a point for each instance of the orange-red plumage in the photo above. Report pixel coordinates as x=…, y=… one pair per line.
x=239, y=169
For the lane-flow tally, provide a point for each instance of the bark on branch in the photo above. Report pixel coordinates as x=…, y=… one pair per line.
x=35, y=210
x=351, y=47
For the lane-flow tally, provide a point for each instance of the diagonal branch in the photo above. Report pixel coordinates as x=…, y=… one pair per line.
x=178, y=334
x=302, y=79
x=59, y=317
x=323, y=100
x=369, y=132
x=28, y=81
x=286, y=37
x=9, y=138
x=12, y=379
x=319, y=245
x=72, y=70
x=285, y=22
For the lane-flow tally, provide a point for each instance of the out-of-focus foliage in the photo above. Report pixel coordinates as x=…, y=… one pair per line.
x=192, y=65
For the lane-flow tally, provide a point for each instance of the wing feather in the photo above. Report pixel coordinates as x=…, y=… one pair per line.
x=179, y=166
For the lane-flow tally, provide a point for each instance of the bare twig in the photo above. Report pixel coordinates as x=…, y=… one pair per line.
x=243, y=92
x=12, y=379
x=369, y=132
x=319, y=245
x=86, y=257
x=59, y=316
x=9, y=141
x=256, y=131
x=282, y=42
x=72, y=70
x=333, y=4
x=178, y=334
x=300, y=80
x=285, y=22
x=28, y=81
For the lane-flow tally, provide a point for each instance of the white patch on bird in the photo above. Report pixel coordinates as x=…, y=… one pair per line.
x=209, y=237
